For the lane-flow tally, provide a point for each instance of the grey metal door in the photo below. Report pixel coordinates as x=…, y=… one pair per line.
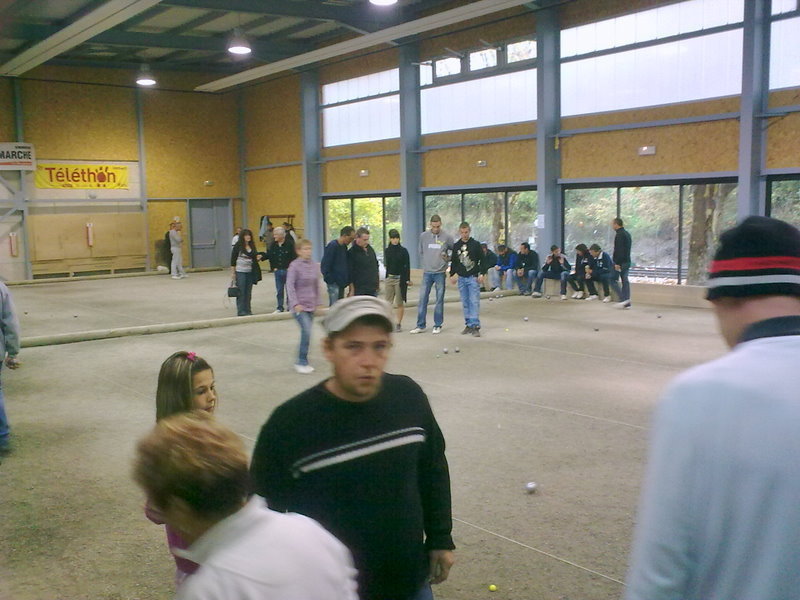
x=210, y=227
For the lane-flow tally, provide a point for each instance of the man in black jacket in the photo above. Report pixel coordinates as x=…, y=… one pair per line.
x=362, y=454
x=488, y=263
x=466, y=265
x=622, y=260
x=527, y=268
x=280, y=253
x=398, y=275
x=363, y=266
x=556, y=266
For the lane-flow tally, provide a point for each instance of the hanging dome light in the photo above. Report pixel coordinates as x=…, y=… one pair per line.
x=238, y=43
x=145, y=77
x=383, y=2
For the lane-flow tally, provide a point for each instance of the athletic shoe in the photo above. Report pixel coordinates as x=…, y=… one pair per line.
x=183, y=275
x=398, y=328
x=623, y=304
x=575, y=295
x=417, y=330
x=277, y=311
x=176, y=276
x=536, y=294
x=563, y=296
x=592, y=297
x=607, y=299
x=580, y=295
x=437, y=330
x=304, y=369
x=467, y=330
x=476, y=332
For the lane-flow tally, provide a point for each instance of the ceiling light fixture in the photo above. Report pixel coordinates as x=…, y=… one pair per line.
x=145, y=77
x=238, y=43
x=383, y=2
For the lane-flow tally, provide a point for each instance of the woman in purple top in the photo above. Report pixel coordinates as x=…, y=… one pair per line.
x=302, y=290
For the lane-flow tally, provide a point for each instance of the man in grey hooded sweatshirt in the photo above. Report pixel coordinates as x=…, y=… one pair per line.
x=435, y=248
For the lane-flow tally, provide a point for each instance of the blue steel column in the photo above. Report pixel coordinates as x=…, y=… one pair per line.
x=755, y=94
x=410, y=156
x=548, y=124
x=312, y=180
x=143, y=201
x=22, y=197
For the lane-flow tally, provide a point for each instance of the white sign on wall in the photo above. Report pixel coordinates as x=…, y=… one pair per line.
x=16, y=156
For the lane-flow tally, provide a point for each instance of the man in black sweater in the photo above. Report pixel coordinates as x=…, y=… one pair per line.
x=527, y=268
x=362, y=454
x=466, y=264
x=622, y=260
x=363, y=266
x=398, y=275
x=488, y=263
x=280, y=253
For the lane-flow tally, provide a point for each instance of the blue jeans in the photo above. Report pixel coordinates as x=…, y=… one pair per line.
x=551, y=275
x=425, y=593
x=5, y=431
x=305, y=320
x=526, y=281
x=335, y=292
x=626, y=284
x=470, y=291
x=609, y=280
x=244, y=281
x=428, y=281
x=280, y=285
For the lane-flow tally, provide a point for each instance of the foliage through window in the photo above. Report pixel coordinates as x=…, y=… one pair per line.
x=483, y=59
x=519, y=51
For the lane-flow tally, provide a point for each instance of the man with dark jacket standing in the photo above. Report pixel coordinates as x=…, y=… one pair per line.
x=466, y=265
x=362, y=454
x=280, y=253
x=363, y=266
x=334, y=264
x=527, y=268
x=398, y=275
x=622, y=260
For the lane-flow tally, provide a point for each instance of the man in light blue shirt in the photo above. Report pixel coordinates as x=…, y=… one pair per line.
x=435, y=248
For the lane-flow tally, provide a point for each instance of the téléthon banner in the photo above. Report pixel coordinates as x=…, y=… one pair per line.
x=88, y=177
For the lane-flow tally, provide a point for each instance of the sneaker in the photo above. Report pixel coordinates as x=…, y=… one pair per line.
x=563, y=296
x=398, y=328
x=183, y=275
x=467, y=330
x=536, y=294
x=417, y=330
x=607, y=299
x=437, y=330
x=579, y=295
x=623, y=304
x=476, y=332
x=277, y=311
x=304, y=369
x=592, y=297
x=575, y=295
x=176, y=276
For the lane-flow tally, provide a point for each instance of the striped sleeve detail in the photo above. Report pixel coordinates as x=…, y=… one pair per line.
x=354, y=450
x=753, y=280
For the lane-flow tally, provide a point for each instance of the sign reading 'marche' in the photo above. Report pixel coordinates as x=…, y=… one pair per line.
x=16, y=156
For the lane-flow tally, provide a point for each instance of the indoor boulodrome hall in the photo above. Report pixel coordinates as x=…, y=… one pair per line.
x=144, y=142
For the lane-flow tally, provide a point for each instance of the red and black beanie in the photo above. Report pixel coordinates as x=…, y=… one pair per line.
x=758, y=257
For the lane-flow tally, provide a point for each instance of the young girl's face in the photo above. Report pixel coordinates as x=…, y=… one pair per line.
x=304, y=252
x=204, y=394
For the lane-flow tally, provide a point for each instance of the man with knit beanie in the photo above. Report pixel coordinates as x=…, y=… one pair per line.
x=720, y=508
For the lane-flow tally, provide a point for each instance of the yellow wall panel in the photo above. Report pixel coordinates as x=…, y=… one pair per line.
x=478, y=133
x=167, y=80
x=641, y=115
x=505, y=162
x=160, y=213
x=190, y=139
x=77, y=121
x=366, y=147
x=696, y=147
x=7, y=133
x=783, y=142
x=343, y=175
x=273, y=122
x=786, y=97
x=275, y=191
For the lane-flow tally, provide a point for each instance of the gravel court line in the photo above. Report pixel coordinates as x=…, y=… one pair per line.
x=539, y=551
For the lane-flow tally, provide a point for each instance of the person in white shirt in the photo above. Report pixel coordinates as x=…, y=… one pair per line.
x=194, y=472
x=720, y=509
x=176, y=247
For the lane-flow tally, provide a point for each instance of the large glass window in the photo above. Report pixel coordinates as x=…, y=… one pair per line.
x=448, y=66
x=522, y=212
x=508, y=98
x=378, y=214
x=361, y=87
x=486, y=214
x=483, y=59
x=651, y=217
x=448, y=207
x=784, y=46
x=708, y=210
x=587, y=218
x=519, y=51
x=785, y=201
x=338, y=214
x=692, y=69
x=368, y=120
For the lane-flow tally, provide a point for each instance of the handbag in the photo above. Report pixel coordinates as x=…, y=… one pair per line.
x=234, y=291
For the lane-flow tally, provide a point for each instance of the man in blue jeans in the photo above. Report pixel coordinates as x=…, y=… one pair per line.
x=435, y=248
x=527, y=268
x=466, y=265
x=556, y=266
x=622, y=260
x=9, y=348
x=280, y=253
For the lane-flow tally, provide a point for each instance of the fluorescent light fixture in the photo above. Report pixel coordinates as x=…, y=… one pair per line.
x=384, y=36
x=103, y=18
x=383, y=2
x=145, y=77
x=238, y=43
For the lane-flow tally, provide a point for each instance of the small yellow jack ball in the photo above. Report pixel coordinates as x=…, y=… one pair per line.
x=493, y=588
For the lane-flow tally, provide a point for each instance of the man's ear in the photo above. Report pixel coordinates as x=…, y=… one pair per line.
x=327, y=347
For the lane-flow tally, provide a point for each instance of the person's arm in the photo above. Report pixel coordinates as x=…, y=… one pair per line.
x=662, y=559
x=10, y=327
x=270, y=475
x=405, y=272
x=326, y=265
x=291, y=288
x=455, y=262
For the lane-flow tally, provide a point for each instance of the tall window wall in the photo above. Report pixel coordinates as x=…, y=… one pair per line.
x=379, y=214
x=784, y=200
x=496, y=217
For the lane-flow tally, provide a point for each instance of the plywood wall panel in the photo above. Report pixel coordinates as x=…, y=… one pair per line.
x=478, y=133
x=190, y=139
x=783, y=142
x=343, y=175
x=7, y=133
x=655, y=113
x=363, y=148
x=692, y=148
x=505, y=162
x=273, y=122
x=275, y=191
x=81, y=122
